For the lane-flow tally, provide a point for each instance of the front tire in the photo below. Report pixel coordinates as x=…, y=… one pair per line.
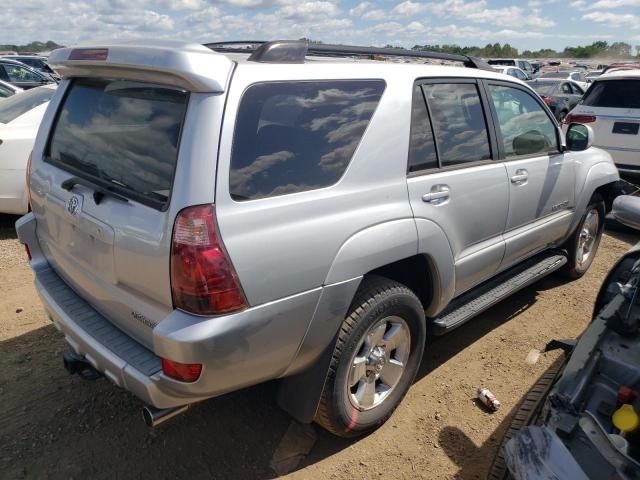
x=375, y=360
x=583, y=243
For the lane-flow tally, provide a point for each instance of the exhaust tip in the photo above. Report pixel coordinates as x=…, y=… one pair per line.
x=155, y=416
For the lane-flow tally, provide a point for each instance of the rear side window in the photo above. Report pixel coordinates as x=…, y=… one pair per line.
x=458, y=122
x=121, y=134
x=502, y=62
x=296, y=136
x=614, y=94
x=17, y=105
x=422, y=152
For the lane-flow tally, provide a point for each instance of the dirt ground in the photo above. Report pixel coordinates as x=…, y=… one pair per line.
x=53, y=425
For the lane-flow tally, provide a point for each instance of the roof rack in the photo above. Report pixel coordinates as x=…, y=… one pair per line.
x=295, y=51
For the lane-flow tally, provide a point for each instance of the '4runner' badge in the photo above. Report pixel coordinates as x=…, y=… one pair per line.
x=74, y=205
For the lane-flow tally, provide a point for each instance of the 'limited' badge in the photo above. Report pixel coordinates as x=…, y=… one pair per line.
x=74, y=205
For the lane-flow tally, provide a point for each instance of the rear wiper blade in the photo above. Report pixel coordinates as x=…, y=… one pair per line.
x=98, y=192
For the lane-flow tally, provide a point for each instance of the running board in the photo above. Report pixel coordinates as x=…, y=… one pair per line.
x=477, y=300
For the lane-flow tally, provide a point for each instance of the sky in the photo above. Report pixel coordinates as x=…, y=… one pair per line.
x=532, y=24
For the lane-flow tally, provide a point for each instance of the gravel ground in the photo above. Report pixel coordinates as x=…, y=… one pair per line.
x=53, y=425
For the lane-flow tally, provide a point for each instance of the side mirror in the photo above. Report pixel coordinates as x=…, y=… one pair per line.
x=579, y=137
x=626, y=210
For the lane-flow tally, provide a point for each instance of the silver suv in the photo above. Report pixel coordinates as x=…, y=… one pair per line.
x=206, y=218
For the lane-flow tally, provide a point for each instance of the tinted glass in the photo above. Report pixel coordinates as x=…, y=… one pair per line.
x=296, y=136
x=458, y=122
x=5, y=91
x=577, y=90
x=122, y=134
x=16, y=73
x=502, y=62
x=12, y=108
x=422, y=152
x=526, y=129
x=544, y=88
x=566, y=88
x=519, y=74
x=614, y=93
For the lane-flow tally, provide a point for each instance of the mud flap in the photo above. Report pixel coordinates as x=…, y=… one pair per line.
x=299, y=395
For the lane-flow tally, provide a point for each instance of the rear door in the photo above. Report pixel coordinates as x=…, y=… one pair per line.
x=101, y=195
x=541, y=179
x=453, y=180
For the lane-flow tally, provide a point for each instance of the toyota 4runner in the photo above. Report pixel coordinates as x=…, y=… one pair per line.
x=205, y=218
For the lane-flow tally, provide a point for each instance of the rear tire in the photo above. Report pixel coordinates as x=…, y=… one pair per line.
x=529, y=413
x=375, y=360
x=583, y=243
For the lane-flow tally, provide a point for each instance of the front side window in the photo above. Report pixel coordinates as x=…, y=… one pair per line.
x=122, y=134
x=458, y=122
x=566, y=88
x=16, y=73
x=422, y=151
x=295, y=136
x=525, y=127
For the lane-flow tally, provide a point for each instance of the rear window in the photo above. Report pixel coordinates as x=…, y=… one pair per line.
x=122, y=135
x=614, y=93
x=11, y=108
x=546, y=88
x=508, y=63
x=296, y=136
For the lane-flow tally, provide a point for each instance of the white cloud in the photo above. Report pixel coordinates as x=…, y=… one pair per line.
x=409, y=9
x=308, y=10
x=613, y=4
x=360, y=9
x=612, y=19
x=578, y=4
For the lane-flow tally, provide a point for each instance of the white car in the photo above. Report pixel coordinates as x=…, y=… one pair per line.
x=513, y=72
x=7, y=90
x=611, y=107
x=20, y=118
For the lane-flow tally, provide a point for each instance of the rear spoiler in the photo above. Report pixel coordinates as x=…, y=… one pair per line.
x=187, y=65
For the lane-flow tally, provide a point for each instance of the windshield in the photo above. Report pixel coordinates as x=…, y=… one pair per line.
x=544, y=88
x=123, y=135
x=555, y=75
x=17, y=105
x=509, y=63
x=623, y=93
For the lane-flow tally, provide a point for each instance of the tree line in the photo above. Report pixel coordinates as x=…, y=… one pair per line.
x=31, y=47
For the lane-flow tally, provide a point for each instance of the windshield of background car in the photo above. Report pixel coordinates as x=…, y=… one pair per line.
x=508, y=63
x=12, y=107
x=121, y=134
x=544, y=88
x=555, y=75
x=623, y=93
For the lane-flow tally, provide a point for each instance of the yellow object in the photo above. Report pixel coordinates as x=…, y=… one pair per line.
x=626, y=419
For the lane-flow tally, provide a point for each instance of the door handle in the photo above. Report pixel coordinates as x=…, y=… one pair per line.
x=438, y=194
x=520, y=177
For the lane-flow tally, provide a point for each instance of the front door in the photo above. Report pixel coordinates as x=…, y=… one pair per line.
x=541, y=178
x=453, y=180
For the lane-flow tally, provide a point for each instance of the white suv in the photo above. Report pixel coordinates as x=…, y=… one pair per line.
x=612, y=108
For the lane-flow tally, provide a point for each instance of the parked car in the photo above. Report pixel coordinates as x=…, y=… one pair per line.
x=513, y=72
x=20, y=118
x=611, y=107
x=20, y=75
x=8, y=90
x=576, y=76
x=347, y=209
x=561, y=95
x=36, y=62
x=523, y=65
x=581, y=420
x=591, y=76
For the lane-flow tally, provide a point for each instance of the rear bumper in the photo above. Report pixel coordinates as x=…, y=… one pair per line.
x=236, y=351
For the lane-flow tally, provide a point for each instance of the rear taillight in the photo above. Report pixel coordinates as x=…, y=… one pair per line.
x=203, y=280
x=185, y=372
x=547, y=100
x=579, y=119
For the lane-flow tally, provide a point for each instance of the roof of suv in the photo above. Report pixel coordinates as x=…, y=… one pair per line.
x=199, y=68
x=621, y=73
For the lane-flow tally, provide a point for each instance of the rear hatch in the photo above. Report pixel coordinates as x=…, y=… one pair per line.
x=106, y=186
x=615, y=104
